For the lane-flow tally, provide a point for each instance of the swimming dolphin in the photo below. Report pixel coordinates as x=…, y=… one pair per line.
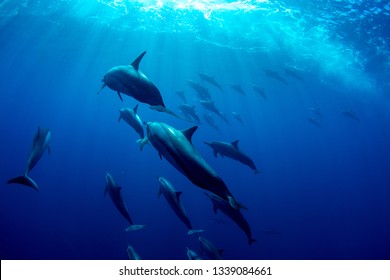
x=173, y=199
x=293, y=72
x=350, y=114
x=210, y=120
x=133, y=255
x=129, y=80
x=316, y=111
x=203, y=93
x=259, y=91
x=237, y=116
x=176, y=147
x=130, y=116
x=211, y=251
x=232, y=151
x=115, y=194
x=210, y=79
x=238, y=89
x=314, y=121
x=234, y=214
x=39, y=145
x=181, y=94
x=192, y=255
x=189, y=112
x=275, y=75
x=209, y=105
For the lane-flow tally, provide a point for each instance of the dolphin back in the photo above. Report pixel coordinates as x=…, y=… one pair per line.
x=24, y=180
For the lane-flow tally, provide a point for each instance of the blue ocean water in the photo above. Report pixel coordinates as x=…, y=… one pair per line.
x=324, y=187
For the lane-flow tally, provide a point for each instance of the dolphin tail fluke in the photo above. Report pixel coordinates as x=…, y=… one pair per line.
x=195, y=231
x=134, y=227
x=142, y=142
x=257, y=171
x=24, y=180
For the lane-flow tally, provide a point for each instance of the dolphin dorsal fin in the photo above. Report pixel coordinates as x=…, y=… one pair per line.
x=235, y=144
x=136, y=62
x=178, y=194
x=135, y=108
x=189, y=132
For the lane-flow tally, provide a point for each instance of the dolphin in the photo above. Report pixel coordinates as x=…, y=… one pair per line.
x=237, y=116
x=275, y=75
x=350, y=114
x=189, y=112
x=192, y=255
x=211, y=80
x=173, y=199
x=259, y=91
x=209, y=105
x=176, y=147
x=293, y=72
x=211, y=251
x=210, y=120
x=181, y=94
x=232, y=151
x=234, y=214
x=203, y=93
x=130, y=116
x=39, y=145
x=115, y=194
x=133, y=255
x=129, y=80
x=314, y=121
x=238, y=89
x=316, y=111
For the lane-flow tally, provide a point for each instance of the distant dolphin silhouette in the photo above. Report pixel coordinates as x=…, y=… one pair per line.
x=189, y=112
x=40, y=143
x=350, y=114
x=192, y=255
x=275, y=75
x=237, y=116
x=181, y=94
x=203, y=93
x=210, y=120
x=210, y=79
x=208, y=247
x=209, y=105
x=238, y=89
x=314, y=121
x=293, y=72
x=131, y=117
x=259, y=91
x=133, y=255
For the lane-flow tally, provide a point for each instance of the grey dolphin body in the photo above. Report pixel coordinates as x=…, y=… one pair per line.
x=293, y=72
x=212, y=252
x=131, y=117
x=209, y=105
x=129, y=80
x=173, y=199
x=237, y=116
x=192, y=255
x=314, y=121
x=189, y=112
x=115, y=194
x=133, y=255
x=350, y=114
x=275, y=75
x=176, y=147
x=39, y=145
x=211, y=80
x=203, y=93
x=260, y=91
x=232, y=151
x=234, y=214
x=238, y=89
x=210, y=120
x=316, y=111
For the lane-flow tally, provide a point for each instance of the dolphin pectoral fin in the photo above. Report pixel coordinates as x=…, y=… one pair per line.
x=134, y=227
x=103, y=86
x=194, y=231
x=135, y=108
x=24, y=180
x=142, y=142
x=160, y=155
x=120, y=96
x=136, y=62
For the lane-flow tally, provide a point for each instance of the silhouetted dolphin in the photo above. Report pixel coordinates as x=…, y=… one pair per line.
x=133, y=255
x=115, y=194
x=350, y=114
x=189, y=112
x=232, y=151
x=176, y=147
x=210, y=120
x=275, y=75
x=208, y=247
x=237, y=116
x=316, y=111
x=192, y=255
x=314, y=121
x=209, y=105
x=210, y=80
x=181, y=94
x=129, y=80
x=238, y=89
x=259, y=91
x=234, y=214
x=293, y=72
x=39, y=145
x=173, y=199
x=203, y=93
x=130, y=116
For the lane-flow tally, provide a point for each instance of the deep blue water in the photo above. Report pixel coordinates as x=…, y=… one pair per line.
x=323, y=192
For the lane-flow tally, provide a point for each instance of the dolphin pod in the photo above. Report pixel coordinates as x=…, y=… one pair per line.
x=232, y=151
x=173, y=199
x=115, y=194
x=176, y=147
x=40, y=144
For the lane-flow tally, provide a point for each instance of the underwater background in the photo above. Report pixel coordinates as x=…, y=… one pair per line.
x=324, y=187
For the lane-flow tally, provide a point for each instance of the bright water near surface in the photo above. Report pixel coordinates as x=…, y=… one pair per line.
x=324, y=187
